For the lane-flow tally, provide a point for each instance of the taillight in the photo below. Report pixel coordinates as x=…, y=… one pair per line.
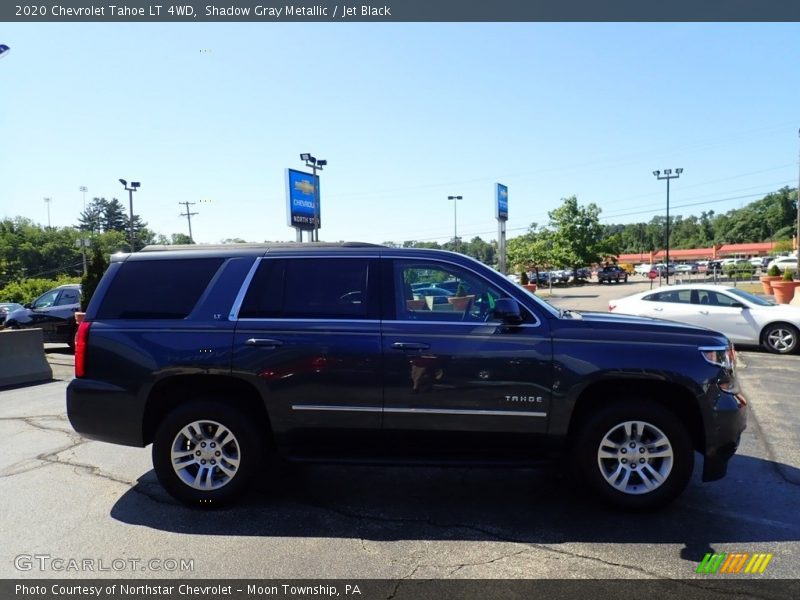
x=81, y=338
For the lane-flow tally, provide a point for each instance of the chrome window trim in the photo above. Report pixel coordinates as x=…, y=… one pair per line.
x=237, y=303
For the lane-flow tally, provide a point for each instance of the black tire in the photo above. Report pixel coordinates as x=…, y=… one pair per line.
x=779, y=338
x=221, y=488
x=595, y=468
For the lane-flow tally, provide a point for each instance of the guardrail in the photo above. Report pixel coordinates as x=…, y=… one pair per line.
x=22, y=357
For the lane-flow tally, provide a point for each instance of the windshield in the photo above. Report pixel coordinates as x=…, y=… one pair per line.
x=751, y=298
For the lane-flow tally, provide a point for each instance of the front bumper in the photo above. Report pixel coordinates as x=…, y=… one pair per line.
x=724, y=427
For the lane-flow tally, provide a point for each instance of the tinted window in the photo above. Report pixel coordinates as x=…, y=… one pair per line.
x=157, y=289
x=68, y=297
x=335, y=288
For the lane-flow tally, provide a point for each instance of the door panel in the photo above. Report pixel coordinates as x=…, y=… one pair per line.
x=454, y=378
x=308, y=337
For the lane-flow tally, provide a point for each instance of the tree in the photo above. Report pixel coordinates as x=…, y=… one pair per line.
x=577, y=238
x=181, y=238
x=530, y=251
x=94, y=272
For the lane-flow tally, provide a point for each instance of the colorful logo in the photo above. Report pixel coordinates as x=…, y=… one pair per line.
x=734, y=563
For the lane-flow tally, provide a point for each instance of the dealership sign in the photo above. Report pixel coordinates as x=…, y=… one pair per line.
x=302, y=196
x=501, y=193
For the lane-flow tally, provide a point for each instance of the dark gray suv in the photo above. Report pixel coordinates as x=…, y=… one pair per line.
x=219, y=356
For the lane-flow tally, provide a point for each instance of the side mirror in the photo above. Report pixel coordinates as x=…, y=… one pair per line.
x=507, y=311
x=26, y=305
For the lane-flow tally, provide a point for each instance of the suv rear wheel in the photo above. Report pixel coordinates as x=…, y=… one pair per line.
x=205, y=452
x=635, y=454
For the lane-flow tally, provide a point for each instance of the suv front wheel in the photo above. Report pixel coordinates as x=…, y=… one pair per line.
x=205, y=452
x=635, y=454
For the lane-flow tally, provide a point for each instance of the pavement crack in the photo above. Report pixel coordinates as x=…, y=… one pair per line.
x=487, y=533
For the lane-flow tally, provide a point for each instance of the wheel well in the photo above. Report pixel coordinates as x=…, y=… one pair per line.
x=172, y=392
x=669, y=395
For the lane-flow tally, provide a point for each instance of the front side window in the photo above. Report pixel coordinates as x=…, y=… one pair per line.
x=335, y=288
x=438, y=292
x=46, y=300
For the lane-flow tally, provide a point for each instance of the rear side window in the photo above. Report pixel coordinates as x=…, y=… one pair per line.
x=157, y=289
x=331, y=288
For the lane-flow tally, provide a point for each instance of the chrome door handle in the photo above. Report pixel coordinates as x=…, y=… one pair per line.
x=703, y=312
x=410, y=346
x=658, y=309
x=264, y=342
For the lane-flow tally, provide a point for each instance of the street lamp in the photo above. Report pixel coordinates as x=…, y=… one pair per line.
x=455, y=200
x=130, y=189
x=316, y=165
x=83, y=189
x=47, y=201
x=667, y=175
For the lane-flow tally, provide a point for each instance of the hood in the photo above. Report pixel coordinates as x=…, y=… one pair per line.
x=600, y=325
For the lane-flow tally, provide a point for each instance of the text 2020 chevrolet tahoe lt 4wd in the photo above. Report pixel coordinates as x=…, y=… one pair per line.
x=220, y=355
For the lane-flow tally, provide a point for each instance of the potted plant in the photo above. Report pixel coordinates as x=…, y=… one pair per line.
x=773, y=274
x=461, y=300
x=784, y=289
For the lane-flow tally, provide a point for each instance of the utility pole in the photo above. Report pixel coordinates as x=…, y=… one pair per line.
x=83, y=189
x=189, y=216
x=797, y=231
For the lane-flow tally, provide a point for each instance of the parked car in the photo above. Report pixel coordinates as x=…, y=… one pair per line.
x=644, y=269
x=319, y=353
x=743, y=317
x=690, y=268
x=612, y=273
x=784, y=262
x=53, y=312
x=7, y=307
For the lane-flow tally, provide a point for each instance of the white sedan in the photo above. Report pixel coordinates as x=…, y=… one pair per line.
x=746, y=319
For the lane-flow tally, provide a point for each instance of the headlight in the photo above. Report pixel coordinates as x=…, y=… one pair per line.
x=722, y=356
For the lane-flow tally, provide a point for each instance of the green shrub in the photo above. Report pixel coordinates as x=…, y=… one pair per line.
x=788, y=275
x=739, y=271
x=774, y=271
x=27, y=290
x=94, y=272
x=461, y=290
x=523, y=278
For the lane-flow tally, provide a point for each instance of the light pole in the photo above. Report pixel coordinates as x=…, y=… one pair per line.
x=797, y=231
x=316, y=165
x=455, y=200
x=83, y=189
x=667, y=175
x=47, y=201
x=133, y=187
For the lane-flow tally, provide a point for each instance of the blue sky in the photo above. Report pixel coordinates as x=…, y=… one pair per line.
x=406, y=114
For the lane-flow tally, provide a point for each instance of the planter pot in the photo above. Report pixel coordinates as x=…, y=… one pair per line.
x=766, y=282
x=531, y=287
x=784, y=291
x=79, y=316
x=460, y=302
x=416, y=304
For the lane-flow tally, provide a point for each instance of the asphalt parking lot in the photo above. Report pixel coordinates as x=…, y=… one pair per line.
x=67, y=497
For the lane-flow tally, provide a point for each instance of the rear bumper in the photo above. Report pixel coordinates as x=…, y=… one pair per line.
x=728, y=421
x=105, y=412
